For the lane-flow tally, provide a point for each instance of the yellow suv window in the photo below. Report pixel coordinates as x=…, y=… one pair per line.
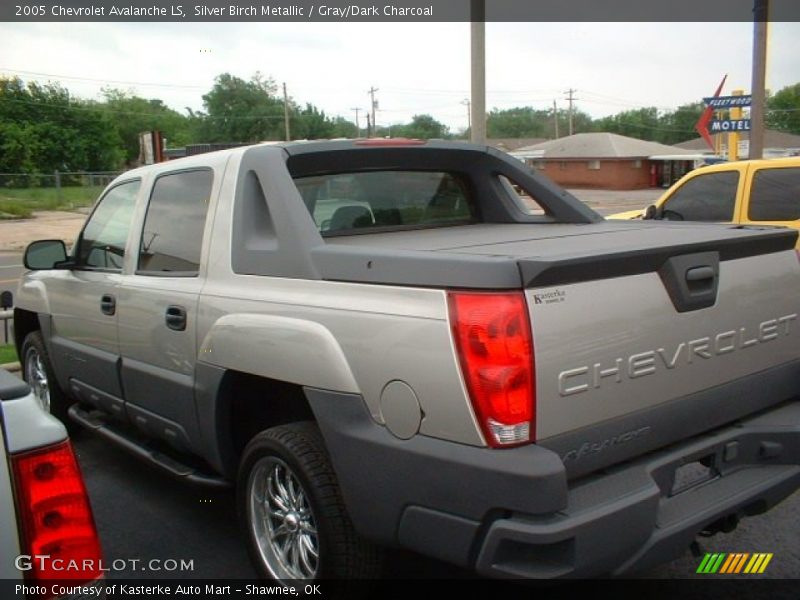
x=775, y=195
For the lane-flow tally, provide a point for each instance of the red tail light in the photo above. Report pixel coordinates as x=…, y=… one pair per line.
x=492, y=334
x=55, y=517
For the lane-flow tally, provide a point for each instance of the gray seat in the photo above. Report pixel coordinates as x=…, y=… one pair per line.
x=350, y=217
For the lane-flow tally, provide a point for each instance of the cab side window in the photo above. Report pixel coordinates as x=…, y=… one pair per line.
x=102, y=242
x=710, y=197
x=775, y=195
x=172, y=236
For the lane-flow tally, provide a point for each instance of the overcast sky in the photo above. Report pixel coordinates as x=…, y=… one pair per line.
x=418, y=68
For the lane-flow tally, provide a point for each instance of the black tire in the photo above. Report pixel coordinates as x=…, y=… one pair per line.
x=299, y=447
x=33, y=349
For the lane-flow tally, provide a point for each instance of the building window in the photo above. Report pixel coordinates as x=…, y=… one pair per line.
x=636, y=164
x=562, y=165
x=535, y=164
x=594, y=165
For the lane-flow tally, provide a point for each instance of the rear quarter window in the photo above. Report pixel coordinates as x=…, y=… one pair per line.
x=775, y=195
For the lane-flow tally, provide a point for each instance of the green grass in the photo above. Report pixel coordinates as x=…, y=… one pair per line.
x=7, y=354
x=23, y=202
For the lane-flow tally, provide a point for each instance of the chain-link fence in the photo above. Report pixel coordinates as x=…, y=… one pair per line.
x=21, y=194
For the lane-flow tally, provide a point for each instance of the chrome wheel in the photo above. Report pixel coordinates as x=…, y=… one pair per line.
x=281, y=521
x=36, y=376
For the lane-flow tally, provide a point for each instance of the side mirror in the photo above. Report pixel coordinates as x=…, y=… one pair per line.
x=651, y=212
x=45, y=254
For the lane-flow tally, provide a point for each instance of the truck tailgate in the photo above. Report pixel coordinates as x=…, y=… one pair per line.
x=623, y=364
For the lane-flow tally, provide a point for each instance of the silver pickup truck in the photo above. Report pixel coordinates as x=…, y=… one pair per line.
x=424, y=345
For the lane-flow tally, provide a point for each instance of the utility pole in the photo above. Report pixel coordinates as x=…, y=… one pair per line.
x=369, y=127
x=570, y=98
x=478, y=71
x=358, y=126
x=555, y=117
x=374, y=105
x=759, y=81
x=286, y=112
x=465, y=102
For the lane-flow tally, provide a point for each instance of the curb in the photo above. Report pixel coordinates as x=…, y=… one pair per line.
x=13, y=367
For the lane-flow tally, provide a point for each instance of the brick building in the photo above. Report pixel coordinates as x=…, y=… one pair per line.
x=607, y=161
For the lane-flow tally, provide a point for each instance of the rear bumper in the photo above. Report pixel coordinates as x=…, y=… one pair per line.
x=627, y=519
x=513, y=513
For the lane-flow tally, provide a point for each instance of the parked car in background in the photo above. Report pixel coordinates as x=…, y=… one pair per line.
x=48, y=539
x=749, y=192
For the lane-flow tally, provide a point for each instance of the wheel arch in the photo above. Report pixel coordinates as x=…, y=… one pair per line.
x=279, y=348
x=250, y=375
x=247, y=404
x=25, y=322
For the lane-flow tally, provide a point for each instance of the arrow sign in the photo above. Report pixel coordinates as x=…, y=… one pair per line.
x=718, y=103
x=702, y=123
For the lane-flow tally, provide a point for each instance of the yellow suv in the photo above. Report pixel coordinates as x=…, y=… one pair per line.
x=757, y=192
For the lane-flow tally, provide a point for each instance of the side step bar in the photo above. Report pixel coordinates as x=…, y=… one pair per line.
x=96, y=424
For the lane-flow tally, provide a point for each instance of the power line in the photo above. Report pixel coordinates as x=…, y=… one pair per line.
x=415, y=91
x=102, y=108
x=118, y=82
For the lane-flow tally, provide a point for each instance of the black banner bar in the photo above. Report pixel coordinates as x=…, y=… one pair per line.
x=706, y=587
x=335, y=11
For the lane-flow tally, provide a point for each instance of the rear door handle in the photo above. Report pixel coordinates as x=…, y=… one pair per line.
x=108, y=304
x=176, y=317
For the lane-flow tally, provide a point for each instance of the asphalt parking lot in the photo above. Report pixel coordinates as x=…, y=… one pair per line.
x=143, y=514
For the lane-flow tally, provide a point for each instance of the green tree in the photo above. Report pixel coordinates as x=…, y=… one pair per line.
x=422, y=127
x=133, y=115
x=311, y=124
x=342, y=128
x=783, y=110
x=642, y=123
x=517, y=122
x=678, y=125
x=241, y=111
x=526, y=121
x=42, y=129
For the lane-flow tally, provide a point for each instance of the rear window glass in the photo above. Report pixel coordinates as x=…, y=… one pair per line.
x=348, y=203
x=775, y=195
